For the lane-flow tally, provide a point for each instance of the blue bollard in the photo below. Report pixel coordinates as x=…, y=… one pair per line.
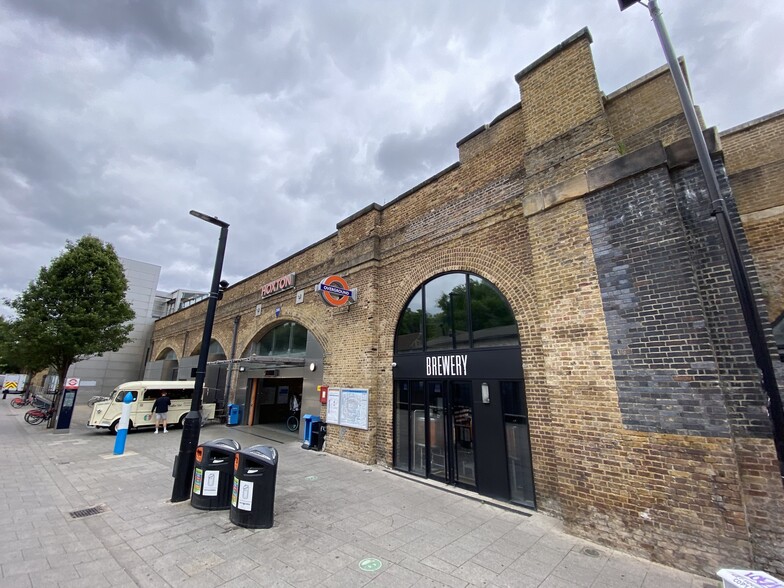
x=122, y=426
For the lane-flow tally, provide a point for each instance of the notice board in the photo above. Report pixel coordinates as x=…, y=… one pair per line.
x=348, y=407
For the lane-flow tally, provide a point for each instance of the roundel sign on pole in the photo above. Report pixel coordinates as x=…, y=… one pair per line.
x=71, y=384
x=334, y=291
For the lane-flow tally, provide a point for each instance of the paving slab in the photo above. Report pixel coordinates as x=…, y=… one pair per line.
x=336, y=523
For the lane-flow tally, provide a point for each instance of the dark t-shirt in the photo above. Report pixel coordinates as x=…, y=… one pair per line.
x=161, y=404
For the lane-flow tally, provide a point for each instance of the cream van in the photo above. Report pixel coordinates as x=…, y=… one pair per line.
x=106, y=415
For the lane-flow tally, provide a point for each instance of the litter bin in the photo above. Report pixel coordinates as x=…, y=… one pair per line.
x=212, y=474
x=234, y=414
x=253, y=491
x=317, y=433
x=308, y=420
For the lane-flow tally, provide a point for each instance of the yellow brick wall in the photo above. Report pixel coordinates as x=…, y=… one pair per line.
x=754, y=157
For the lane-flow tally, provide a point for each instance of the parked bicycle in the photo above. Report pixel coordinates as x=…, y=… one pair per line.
x=37, y=416
x=31, y=400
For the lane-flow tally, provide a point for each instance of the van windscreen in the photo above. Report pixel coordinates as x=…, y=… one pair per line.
x=119, y=395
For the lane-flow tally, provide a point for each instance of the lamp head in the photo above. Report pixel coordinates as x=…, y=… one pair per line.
x=624, y=4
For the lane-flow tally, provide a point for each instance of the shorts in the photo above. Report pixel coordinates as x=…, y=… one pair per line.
x=161, y=416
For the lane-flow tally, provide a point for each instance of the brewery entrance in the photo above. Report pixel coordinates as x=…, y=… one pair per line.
x=460, y=414
x=473, y=434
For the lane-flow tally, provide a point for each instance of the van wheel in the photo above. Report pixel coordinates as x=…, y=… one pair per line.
x=181, y=422
x=113, y=426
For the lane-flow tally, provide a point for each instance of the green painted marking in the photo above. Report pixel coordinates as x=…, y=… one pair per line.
x=370, y=565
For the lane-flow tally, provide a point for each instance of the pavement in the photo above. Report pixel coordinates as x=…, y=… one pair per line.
x=336, y=523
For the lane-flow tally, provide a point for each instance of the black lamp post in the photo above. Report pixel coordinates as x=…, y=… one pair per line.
x=743, y=288
x=183, y=466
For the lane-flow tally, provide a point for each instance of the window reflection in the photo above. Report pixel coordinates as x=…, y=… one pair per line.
x=460, y=311
x=492, y=321
x=286, y=339
x=409, y=328
x=445, y=312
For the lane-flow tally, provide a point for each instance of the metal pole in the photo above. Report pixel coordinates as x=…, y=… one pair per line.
x=745, y=293
x=183, y=465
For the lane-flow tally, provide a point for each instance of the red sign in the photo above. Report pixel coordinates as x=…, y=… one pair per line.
x=278, y=285
x=71, y=384
x=335, y=292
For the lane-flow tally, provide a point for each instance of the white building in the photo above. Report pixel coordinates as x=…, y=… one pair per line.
x=100, y=375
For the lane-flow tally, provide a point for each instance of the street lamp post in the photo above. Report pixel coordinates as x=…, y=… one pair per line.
x=183, y=465
x=743, y=288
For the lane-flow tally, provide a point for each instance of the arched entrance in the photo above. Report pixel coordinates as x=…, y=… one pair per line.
x=283, y=364
x=460, y=412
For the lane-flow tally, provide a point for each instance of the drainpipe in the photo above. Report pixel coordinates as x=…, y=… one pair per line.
x=230, y=369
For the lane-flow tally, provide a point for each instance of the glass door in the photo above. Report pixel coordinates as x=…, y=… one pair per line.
x=434, y=430
x=437, y=442
x=462, y=426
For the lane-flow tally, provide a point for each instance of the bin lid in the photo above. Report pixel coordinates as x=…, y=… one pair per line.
x=263, y=452
x=226, y=443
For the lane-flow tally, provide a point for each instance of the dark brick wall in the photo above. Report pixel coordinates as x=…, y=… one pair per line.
x=741, y=382
x=663, y=356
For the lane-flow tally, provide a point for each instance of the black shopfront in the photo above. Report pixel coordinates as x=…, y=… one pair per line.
x=460, y=413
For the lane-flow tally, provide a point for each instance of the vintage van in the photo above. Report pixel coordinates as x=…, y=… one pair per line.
x=106, y=415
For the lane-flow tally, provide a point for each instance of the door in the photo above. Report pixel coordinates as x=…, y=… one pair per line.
x=450, y=432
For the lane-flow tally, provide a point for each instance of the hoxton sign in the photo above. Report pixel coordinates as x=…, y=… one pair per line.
x=277, y=285
x=446, y=365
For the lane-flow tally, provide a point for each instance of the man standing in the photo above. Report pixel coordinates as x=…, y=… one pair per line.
x=160, y=408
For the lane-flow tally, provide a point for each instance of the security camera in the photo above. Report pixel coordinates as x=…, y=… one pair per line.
x=223, y=284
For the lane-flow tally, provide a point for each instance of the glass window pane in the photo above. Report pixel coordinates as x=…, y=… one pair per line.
x=286, y=339
x=409, y=327
x=518, y=447
x=282, y=339
x=264, y=347
x=492, y=321
x=445, y=316
x=401, y=425
x=418, y=453
x=299, y=339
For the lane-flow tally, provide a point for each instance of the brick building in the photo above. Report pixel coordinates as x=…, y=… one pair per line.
x=549, y=321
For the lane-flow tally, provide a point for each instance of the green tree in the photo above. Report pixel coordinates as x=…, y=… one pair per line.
x=76, y=307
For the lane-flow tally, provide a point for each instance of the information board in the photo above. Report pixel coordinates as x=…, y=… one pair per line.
x=348, y=407
x=333, y=406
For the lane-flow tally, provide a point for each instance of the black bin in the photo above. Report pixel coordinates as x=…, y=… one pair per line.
x=253, y=491
x=317, y=434
x=212, y=474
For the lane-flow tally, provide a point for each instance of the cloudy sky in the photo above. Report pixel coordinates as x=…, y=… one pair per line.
x=282, y=118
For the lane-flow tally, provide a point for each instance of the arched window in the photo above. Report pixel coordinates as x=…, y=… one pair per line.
x=456, y=311
x=288, y=338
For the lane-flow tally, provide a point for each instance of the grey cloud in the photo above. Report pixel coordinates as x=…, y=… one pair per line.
x=146, y=26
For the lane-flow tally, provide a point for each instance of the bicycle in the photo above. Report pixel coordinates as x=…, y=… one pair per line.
x=292, y=423
x=36, y=416
x=33, y=400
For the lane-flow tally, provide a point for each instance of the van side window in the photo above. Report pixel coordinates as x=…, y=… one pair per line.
x=174, y=393
x=181, y=394
x=121, y=395
x=152, y=394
